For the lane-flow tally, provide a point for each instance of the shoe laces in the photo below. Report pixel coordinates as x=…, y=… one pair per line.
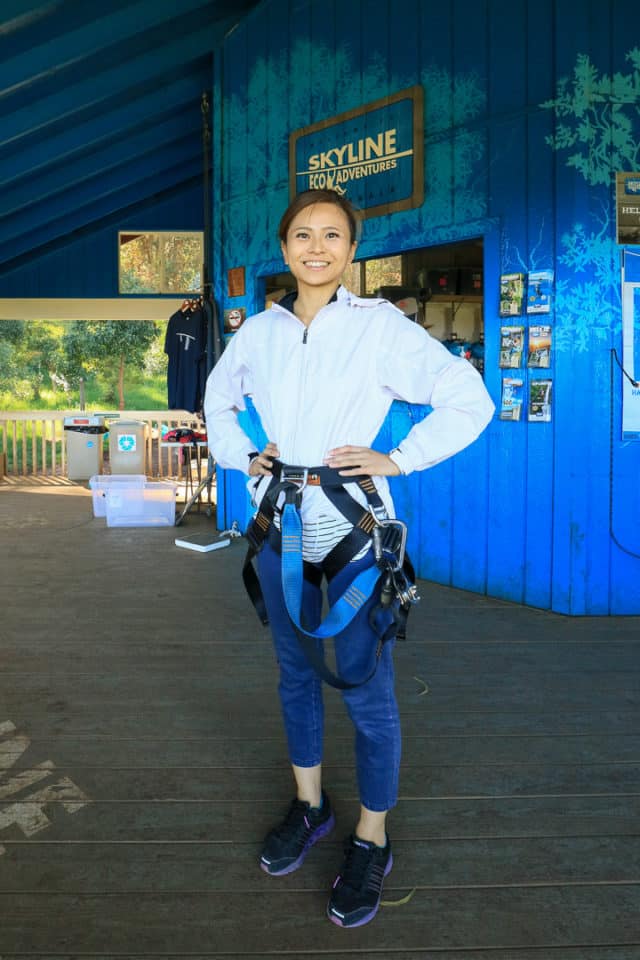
x=297, y=817
x=357, y=863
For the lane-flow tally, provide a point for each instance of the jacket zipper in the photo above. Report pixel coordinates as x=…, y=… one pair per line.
x=303, y=380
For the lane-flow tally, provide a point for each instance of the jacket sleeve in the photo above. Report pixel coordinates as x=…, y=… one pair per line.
x=226, y=387
x=419, y=369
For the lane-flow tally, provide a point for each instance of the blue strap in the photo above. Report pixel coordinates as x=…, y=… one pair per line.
x=344, y=610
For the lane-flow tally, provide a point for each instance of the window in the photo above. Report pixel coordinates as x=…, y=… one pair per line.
x=382, y=272
x=161, y=262
x=366, y=277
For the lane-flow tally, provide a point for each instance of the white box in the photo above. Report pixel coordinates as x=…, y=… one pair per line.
x=150, y=505
x=203, y=542
x=102, y=482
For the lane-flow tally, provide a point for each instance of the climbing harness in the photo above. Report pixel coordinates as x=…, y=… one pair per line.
x=391, y=574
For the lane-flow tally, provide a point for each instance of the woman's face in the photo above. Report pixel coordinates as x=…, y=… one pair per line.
x=318, y=248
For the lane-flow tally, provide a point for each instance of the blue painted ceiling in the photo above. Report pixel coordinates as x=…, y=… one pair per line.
x=100, y=111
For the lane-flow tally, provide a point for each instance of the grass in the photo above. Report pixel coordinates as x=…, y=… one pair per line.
x=144, y=393
x=149, y=393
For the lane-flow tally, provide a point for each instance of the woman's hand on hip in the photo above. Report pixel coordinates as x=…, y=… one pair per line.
x=262, y=465
x=351, y=461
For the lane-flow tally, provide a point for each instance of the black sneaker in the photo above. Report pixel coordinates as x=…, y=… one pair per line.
x=286, y=846
x=357, y=889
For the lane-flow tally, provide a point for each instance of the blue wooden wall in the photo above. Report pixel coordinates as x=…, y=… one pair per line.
x=529, y=111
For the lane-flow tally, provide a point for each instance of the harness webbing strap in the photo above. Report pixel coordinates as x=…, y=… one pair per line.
x=290, y=480
x=344, y=609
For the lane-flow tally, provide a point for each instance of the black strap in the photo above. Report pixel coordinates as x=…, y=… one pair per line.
x=316, y=476
x=363, y=523
x=314, y=655
x=262, y=529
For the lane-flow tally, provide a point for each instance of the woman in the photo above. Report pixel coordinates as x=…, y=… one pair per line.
x=323, y=367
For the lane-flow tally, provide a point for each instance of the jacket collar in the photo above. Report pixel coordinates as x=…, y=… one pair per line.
x=342, y=296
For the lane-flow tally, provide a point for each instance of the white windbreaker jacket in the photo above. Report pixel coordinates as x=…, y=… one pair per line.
x=332, y=384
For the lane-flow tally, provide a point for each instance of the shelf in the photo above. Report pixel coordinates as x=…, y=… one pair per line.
x=455, y=298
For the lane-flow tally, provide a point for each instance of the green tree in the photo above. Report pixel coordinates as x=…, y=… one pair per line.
x=12, y=331
x=108, y=348
x=30, y=352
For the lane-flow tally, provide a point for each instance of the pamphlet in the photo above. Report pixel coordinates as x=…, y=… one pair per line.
x=539, y=352
x=511, y=347
x=540, y=401
x=512, y=390
x=511, y=294
x=539, y=291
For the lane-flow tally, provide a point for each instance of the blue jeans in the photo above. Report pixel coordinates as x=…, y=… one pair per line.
x=372, y=707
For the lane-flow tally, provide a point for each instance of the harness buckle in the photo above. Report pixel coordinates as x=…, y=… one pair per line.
x=297, y=475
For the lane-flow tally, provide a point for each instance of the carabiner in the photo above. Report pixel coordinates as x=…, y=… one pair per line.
x=392, y=542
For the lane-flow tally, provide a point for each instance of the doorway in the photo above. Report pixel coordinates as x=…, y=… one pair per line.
x=440, y=287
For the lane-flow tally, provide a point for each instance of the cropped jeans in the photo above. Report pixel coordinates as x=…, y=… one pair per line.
x=372, y=706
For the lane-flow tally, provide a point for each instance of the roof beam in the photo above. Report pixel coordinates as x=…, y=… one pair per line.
x=103, y=128
x=13, y=15
x=109, y=201
x=93, y=39
x=72, y=104
x=133, y=206
x=73, y=308
x=121, y=152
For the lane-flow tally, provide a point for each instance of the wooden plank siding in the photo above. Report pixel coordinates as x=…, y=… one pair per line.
x=142, y=760
x=524, y=514
x=554, y=506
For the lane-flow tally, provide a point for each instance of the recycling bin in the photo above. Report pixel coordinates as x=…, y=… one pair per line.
x=83, y=442
x=127, y=446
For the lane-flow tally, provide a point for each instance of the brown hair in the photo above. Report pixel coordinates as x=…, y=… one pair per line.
x=309, y=197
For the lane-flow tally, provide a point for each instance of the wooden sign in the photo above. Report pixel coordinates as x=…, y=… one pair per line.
x=235, y=282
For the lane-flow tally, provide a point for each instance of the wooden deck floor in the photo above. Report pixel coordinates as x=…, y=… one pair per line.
x=142, y=760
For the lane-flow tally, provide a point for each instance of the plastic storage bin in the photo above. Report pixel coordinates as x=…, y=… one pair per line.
x=149, y=505
x=102, y=483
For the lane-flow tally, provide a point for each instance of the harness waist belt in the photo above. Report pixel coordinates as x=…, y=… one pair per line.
x=314, y=476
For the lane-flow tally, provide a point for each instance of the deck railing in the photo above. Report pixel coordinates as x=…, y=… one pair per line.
x=34, y=441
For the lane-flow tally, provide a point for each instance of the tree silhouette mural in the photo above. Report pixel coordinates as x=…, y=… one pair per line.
x=597, y=129
x=595, y=114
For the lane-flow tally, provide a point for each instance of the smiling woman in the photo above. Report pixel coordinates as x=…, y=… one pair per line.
x=322, y=367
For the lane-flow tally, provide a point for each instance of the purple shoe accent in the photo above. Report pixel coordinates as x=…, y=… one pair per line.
x=369, y=916
x=318, y=834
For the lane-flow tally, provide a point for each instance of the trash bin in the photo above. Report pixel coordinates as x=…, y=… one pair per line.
x=83, y=441
x=127, y=446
